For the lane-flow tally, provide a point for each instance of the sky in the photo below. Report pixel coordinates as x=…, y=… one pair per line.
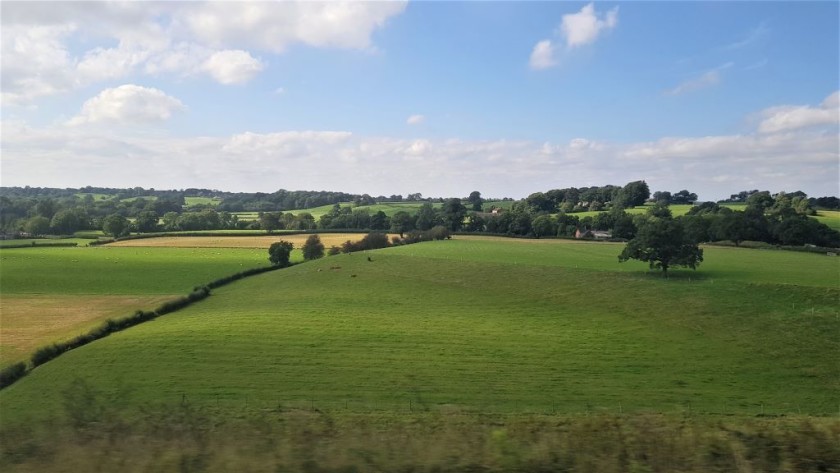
x=440, y=98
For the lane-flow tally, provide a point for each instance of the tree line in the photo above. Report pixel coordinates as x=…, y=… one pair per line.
x=776, y=219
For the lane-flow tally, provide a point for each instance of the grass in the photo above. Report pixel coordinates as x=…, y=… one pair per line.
x=190, y=201
x=31, y=321
x=52, y=294
x=122, y=271
x=830, y=218
x=482, y=325
x=264, y=241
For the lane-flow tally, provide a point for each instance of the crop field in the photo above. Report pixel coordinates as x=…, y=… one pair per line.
x=262, y=241
x=483, y=325
x=50, y=294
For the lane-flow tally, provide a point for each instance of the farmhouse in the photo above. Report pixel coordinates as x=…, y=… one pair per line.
x=596, y=234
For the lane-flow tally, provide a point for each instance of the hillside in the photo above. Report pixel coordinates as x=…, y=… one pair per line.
x=482, y=325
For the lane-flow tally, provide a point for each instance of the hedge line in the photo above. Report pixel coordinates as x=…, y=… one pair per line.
x=34, y=244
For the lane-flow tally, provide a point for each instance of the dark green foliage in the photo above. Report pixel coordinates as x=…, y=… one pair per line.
x=279, y=253
x=313, y=248
x=115, y=225
x=475, y=201
x=47, y=353
x=452, y=213
x=12, y=373
x=37, y=225
x=661, y=242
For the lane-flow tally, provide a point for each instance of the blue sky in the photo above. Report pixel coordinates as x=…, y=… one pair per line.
x=441, y=98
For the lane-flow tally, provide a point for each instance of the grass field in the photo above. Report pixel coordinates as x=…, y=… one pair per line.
x=483, y=325
x=830, y=218
x=50, y=294
x=189, y=201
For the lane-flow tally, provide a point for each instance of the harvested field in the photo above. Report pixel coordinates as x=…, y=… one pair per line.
x=262, y=241
x=31, y=321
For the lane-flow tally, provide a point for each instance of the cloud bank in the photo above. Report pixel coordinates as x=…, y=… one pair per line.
x=782, y=154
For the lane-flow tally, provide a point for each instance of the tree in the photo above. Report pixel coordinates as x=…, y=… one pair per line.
x=270, y=221
x=475, y=200
x=544, y=225
x=147, y=221
x=426, y=217
x=453, y=213
x=633, y=194
x=313, y=248
x=662, y=243
x=37, y=226
x=279, y=253
x=402, y=222
x=115, y=225
x=65, y=222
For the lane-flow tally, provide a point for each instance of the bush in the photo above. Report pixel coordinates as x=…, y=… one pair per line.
x=47, y=353
x=279, y=253
x=12, y=373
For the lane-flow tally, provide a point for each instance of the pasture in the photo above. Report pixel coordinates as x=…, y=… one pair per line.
x=482, y=325
x=51, y=294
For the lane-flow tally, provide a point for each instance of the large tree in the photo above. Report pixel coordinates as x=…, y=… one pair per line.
x=453, y=213
x=279, y=253
x=313, y=248
x=663, y=243
x=115, y=225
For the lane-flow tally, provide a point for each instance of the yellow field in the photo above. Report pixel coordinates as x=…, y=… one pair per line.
x=28, y=322
x=261, y=241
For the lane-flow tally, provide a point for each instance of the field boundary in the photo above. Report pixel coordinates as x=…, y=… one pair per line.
x=12, y=373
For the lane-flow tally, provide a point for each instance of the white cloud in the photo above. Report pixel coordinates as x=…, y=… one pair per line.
x=542, y=57
x=273, y=26
x=232, y=67
x=415, y=119
x=584, y=27
x=706, y=79
x=792, y=117
x=128, y=104
x=791, y=156
x=181, y=38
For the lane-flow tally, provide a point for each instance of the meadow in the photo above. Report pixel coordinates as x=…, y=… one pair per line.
x=474, y=354
x=483, y=325
x=52, y=294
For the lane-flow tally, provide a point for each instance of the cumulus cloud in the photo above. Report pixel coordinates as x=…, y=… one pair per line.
x=181, y=38
x=792, y=117
x=415, y=119
x=232, y=66
x=128, y=104
x=575, y=30
x=273, y=26
x=542, y=57
x=585, y=26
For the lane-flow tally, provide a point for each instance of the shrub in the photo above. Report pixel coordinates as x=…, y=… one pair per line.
x=47, y=353
x=12, y=373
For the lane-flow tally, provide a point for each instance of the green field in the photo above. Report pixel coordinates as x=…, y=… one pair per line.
x=482, y=325
x=44, y=242
x=830, y=218
x=189, y=201
x=53, y=294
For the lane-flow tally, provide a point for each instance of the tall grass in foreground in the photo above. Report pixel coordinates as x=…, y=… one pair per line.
x=94, y=435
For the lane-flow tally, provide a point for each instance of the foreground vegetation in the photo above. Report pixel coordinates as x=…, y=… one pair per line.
x=95, y=436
